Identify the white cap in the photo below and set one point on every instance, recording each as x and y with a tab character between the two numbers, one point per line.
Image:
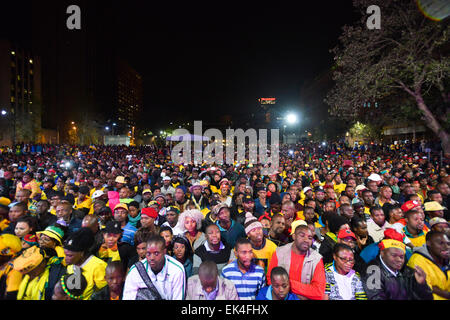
374	177
306	189
166	178
97	193
360	187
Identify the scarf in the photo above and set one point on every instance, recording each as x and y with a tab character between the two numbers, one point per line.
135	220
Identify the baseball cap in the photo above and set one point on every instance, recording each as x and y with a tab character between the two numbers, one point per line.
409	205
437	220
297	223
433	206
360	187
306	189
247	199
146	191
121	205
344	233
120	179
97	194
174	209
374	177
166	178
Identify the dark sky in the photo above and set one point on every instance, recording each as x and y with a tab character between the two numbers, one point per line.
200	61
203	61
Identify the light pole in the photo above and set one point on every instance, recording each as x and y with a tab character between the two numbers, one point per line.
4	113
291	119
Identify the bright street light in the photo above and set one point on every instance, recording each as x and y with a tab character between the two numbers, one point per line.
114	124
107	128
4	112
291	118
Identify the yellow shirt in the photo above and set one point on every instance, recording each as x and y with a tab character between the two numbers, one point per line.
34	289
435	276
93	270
87	203
264	255
339	188
13	278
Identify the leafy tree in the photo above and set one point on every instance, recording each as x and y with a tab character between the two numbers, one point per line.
404	66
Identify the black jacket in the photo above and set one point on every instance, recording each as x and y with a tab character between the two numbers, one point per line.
126	252
326	249
380	284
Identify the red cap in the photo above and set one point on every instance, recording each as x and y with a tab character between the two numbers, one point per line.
390	233
344	233
409	205
150	212
314	181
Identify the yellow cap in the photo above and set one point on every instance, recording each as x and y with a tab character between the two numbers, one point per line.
9	244
297	223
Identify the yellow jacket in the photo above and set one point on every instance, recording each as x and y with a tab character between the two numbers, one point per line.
435	276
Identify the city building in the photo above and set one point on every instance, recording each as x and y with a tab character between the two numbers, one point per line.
128	97
20	94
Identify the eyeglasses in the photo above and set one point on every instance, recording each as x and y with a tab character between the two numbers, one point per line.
346	260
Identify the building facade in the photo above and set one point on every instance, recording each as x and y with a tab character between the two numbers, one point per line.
20	94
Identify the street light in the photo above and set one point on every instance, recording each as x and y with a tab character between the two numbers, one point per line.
4	112
291	118
107	128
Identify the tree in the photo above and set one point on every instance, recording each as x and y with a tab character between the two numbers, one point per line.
409	55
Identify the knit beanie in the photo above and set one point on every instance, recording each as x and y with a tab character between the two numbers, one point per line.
251	222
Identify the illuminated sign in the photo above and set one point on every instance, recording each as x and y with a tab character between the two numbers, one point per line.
267	100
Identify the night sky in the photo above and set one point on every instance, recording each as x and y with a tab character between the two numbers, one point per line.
200	61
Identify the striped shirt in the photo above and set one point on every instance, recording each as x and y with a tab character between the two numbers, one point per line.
247	284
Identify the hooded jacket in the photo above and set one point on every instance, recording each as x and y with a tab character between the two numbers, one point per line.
435	275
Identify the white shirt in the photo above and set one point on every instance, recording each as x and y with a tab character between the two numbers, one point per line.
375	231
170	281
344	283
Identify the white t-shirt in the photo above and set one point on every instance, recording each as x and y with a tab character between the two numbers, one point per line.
344	283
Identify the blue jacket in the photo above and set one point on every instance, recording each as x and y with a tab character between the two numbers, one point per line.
266	294
370	252
235	232
128	233
259	209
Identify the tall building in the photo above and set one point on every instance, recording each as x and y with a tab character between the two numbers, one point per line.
128	95
20	94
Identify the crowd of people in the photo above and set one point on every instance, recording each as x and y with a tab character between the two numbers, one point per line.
126	223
